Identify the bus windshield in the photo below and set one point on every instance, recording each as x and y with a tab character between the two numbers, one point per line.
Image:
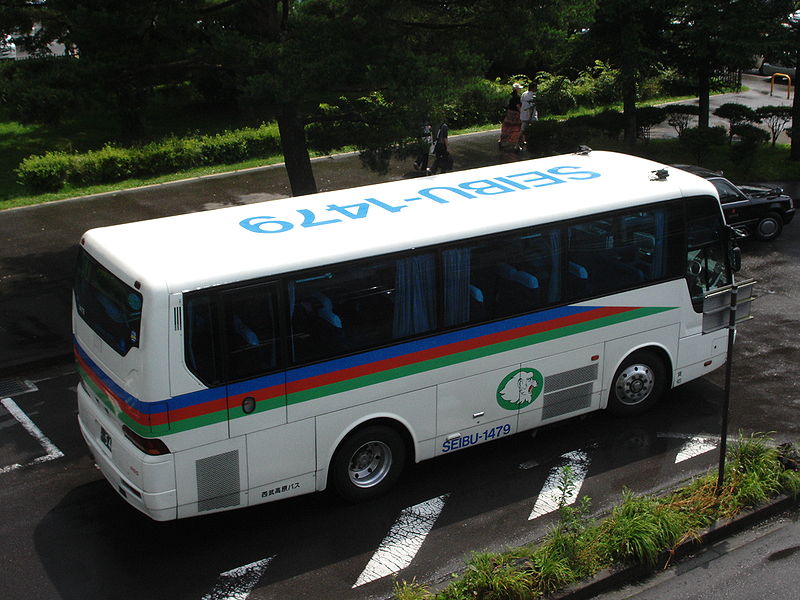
110	307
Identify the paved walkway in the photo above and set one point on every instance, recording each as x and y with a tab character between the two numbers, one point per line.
38	244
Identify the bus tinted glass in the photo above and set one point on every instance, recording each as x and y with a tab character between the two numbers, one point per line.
617	252
373	302
110	307
706	262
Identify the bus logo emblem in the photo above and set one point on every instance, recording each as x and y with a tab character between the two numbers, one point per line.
519	389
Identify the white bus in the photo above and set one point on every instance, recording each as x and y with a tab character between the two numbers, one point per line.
258	352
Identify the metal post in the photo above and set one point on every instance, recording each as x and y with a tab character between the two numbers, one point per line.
723	445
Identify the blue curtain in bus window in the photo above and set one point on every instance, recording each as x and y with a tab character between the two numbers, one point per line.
458	293
659	254
554	286
415	296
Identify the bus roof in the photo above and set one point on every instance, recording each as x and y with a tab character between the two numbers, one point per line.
197	250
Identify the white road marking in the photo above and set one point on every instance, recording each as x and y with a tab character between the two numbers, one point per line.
403	541
695	445
52	452
237	583
550	495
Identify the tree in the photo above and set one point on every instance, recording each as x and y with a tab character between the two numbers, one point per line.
736	114
629	33
776	119
708	35
785	50
281	59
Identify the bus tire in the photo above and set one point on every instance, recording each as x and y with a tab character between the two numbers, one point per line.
638	384
769	227
367	463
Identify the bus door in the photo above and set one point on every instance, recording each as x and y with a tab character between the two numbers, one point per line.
256	389
477	409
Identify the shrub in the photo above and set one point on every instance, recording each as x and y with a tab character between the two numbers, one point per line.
479	101
100	166
49	172
776	119
698	140
596	86
648	117
750	137
45	173
679	115
736	114
554	95
640	529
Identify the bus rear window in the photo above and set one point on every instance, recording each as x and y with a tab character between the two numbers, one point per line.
110	307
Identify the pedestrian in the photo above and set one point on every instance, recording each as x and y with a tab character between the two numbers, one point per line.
528	112
443	162
426	147
510	128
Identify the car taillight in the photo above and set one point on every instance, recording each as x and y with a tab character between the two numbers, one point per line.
151	446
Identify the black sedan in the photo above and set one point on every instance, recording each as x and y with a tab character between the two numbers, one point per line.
760	210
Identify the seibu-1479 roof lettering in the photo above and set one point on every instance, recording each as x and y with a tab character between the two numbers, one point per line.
338	213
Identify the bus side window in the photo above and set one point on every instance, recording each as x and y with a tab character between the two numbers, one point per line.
503	276
706	266
200	347
360	305
251	331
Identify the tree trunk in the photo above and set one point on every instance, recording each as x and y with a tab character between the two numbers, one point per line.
629	109
794	152
703	94
295	152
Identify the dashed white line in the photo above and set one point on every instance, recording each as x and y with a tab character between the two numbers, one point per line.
403	541
51	451
550	496
695	445
237	583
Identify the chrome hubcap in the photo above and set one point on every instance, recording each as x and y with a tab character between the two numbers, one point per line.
634	384
370	464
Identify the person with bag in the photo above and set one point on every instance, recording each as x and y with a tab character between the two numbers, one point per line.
510	128
528	112
443	161
426	146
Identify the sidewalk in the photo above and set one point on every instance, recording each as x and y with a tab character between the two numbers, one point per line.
38	244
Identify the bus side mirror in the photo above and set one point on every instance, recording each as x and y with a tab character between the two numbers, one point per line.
735	258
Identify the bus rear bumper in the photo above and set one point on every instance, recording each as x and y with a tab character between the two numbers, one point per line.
158	505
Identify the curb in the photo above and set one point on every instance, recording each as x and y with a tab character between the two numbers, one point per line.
615	577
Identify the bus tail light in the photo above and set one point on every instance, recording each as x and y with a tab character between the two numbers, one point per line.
151	446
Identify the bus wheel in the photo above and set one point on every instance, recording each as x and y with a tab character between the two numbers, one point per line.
367	463
638	383
769	227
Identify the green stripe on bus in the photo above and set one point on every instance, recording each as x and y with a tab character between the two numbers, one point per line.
476	353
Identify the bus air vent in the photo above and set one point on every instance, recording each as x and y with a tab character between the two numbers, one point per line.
177	315
218	481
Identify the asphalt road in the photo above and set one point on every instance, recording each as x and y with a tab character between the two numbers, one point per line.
64	533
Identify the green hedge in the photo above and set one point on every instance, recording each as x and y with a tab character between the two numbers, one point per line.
49	172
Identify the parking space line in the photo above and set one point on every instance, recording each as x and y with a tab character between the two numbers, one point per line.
237	583
695	445
403	541
51	451
550	496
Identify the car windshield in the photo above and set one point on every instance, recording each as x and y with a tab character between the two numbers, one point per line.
110	307
727	191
